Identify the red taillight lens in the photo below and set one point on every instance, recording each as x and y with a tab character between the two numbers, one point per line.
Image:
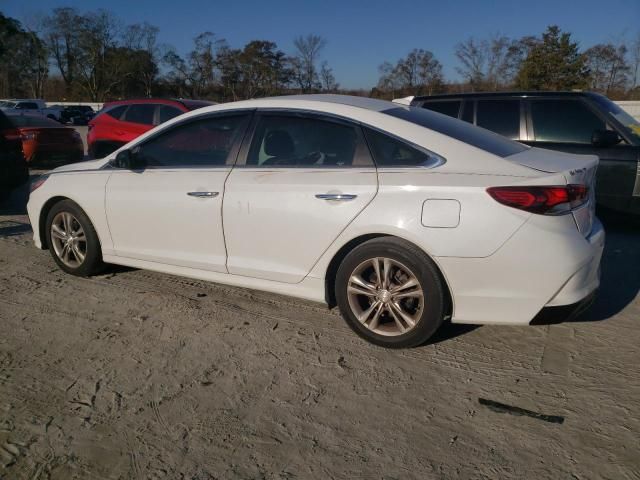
542	200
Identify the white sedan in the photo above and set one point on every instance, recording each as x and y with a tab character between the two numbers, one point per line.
401	217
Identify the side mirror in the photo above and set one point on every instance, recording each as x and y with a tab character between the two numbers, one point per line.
605	138
128	160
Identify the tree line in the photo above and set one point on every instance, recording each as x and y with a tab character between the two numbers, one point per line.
94	56
551	61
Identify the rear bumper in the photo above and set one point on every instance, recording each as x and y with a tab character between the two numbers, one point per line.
587	279
547	263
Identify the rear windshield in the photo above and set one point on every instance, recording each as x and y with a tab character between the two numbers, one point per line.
32	121
459	130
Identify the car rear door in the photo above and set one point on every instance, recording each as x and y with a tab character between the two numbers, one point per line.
300	180
170	212
136	120
567	125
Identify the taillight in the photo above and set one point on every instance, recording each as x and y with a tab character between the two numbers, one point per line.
542	200
28	136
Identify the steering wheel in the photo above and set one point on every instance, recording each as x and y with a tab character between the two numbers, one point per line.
314	158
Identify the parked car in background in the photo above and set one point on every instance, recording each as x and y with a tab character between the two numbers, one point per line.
572	122
13	167
400	216
77	114
120	122
45	140
34	106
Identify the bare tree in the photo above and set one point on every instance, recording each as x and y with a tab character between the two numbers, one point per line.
61	36
142	39
634	52
608	67
307	53
327	79
472	55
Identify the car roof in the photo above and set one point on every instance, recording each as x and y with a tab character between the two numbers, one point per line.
523	93
186	103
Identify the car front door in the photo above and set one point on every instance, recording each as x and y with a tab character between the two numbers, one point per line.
300	180
170	211
567	125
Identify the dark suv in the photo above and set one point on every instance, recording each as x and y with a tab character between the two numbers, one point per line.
575	122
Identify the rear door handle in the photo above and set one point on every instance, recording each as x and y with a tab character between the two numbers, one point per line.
203	194
336	197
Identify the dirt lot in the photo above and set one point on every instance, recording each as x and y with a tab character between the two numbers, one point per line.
140	375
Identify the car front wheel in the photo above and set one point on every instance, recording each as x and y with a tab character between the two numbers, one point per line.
72	240
390	293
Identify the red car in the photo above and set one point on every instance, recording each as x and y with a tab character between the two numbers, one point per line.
120	122
45	140
13	168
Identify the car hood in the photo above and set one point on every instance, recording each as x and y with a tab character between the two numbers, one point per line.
81	166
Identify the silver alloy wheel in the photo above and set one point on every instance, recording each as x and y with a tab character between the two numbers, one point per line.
68	239
385	296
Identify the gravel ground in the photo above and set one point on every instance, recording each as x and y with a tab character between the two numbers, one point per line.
139	375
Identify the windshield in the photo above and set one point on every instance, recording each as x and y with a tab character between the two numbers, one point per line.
630	124
5	104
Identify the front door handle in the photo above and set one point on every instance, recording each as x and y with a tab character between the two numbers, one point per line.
336	197
203	194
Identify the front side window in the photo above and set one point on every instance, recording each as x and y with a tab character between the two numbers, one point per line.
293	141
564	121
499	116
142	114
450	107
390	152
201	143
167	113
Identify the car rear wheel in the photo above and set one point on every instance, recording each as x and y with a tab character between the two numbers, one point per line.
390	293
72	240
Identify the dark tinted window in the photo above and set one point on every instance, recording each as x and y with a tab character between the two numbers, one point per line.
195	104
167	113
116	112
302	142
467	111
32	121
27	106
500	116
140	114
566	121
201	143
390	152
451	108
482	139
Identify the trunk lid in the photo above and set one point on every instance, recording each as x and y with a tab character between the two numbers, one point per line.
576	169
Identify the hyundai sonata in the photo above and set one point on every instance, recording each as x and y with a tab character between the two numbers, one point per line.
401	217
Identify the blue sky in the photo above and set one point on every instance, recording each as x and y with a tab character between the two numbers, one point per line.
362	34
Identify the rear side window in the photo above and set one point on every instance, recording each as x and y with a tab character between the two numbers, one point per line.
462	131
142	114
200	143
500	116
167	113
450	107
390	152
564	121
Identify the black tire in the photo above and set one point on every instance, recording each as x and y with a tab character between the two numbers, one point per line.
92	262
422	268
